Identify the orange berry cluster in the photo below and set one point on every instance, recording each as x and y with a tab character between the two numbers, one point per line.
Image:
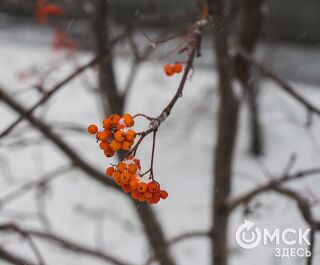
127	175
171	69
116	134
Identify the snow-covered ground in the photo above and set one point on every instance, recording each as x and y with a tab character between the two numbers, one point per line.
77	206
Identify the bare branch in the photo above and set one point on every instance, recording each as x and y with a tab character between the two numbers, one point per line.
64	243
59	143
189	235
272	184
13	258
273	76
34	184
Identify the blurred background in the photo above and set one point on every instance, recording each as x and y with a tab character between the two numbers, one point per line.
56	207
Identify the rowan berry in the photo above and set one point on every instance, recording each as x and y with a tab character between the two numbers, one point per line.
142	187
153	187
115	145
121	166
177	67
132	168
102	136
116	176
134	183
130	136
135	195
126	145
126	188
92	129
155	199
108	152
128	120
109	171
142	198
125	177
114	119
119	136
163	194
104	145
148	195
106	123
168	69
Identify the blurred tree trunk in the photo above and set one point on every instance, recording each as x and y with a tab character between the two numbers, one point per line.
111	99
226	137
250	29
114	102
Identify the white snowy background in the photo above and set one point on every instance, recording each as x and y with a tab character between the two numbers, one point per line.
77	206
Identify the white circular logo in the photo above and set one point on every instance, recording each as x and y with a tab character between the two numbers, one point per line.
248	239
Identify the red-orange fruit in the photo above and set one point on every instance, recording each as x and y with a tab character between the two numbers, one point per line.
109	171
104	145
126	145
92	129
128	119
108	153
125	177
130	136
115	145
120	136
177	67
102	136
163	194
153	187
121	166
132	168
114	119
168	69
142	187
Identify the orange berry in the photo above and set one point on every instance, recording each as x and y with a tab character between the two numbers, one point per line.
125	177
153	187
121	166
108	153
155	199
109	171
126	188
114	119
115	145
142	198
116	176
142	187
163	194
92	129
128	119
168	69
177	67
130	136
104	145
106	123
132	168
108	132
102	136
133	182
126	145
148	195
120	136
137	161
135	195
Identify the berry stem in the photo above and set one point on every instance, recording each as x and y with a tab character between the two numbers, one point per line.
144	116
152	154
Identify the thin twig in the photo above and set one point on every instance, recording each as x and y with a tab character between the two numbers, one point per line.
273	76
